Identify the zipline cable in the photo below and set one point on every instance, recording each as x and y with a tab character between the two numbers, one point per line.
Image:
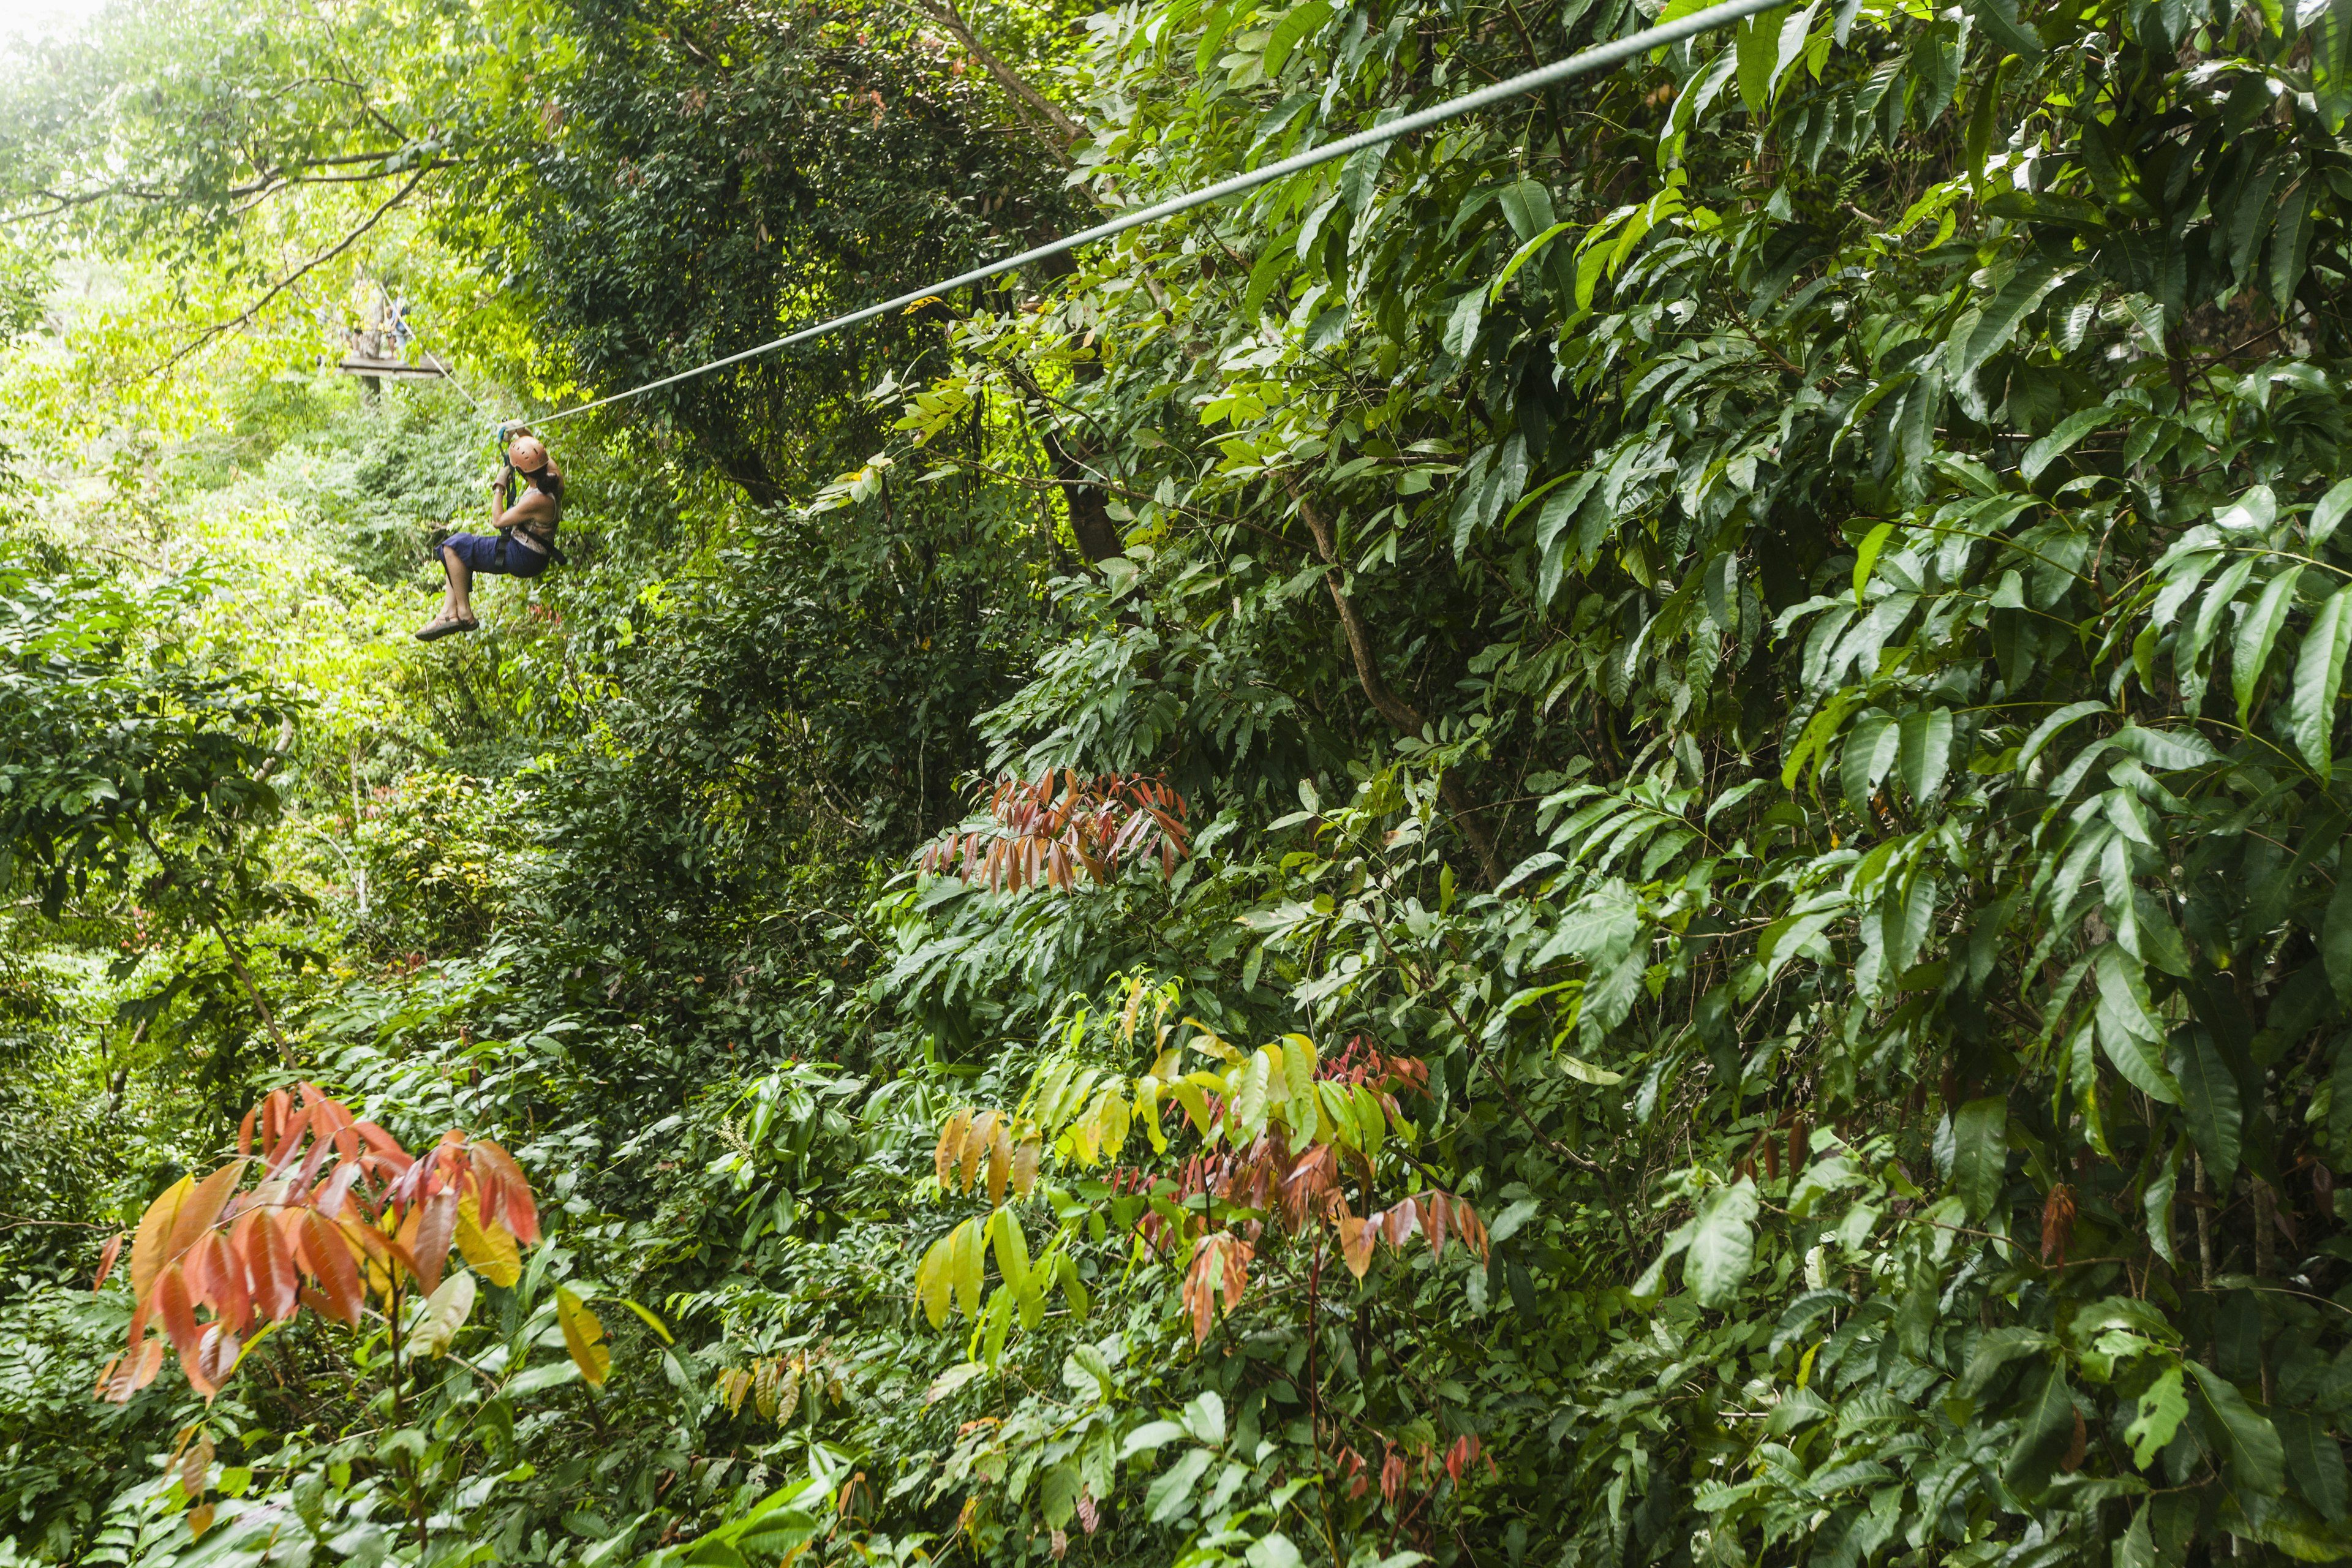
1584	63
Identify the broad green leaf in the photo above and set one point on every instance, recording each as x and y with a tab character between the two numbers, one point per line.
1169	1492
1057	1495
2161	1410
1722	1245
2329	513
2319	681
2314	1459
2257	1459
1204	1417
2045	1429
2129	1031
1927	751
2250	654
1520	258
1758	43
2055	445
2033	280
1149	1436
2209	1101
1980	1154
968	1265
1866	556
1297	24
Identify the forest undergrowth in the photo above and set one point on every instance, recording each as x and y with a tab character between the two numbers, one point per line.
1606	838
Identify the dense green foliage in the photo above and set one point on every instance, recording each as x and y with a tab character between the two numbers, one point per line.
1755	643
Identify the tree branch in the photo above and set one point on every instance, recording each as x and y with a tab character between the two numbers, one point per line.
945	14
1392	707
245	317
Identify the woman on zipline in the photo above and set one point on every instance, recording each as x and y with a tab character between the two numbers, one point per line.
525	536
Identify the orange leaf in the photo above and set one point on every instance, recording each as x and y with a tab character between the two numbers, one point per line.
1356	1245
976	1143
203	1208
326	1257
225	1281
200	1519
106	1262
268	1264
175	1310
196	1466
514	1208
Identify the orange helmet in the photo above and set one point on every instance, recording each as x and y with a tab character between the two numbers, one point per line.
527	454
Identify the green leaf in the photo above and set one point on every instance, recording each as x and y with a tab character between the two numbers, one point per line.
1168	1493
2161	1410
1273	1551
1980	1154
1205	1417
2336	938
1149	1437
2257	1459
2328	514
2208	1099
2050	447
2129	1031
2314	1459
1999	18
1461	324
1758	43
1297	24
1057	1495
1520	258
1998	321
1722	1246
2319	681
2045	1430
2250	655
1866	556
1927	751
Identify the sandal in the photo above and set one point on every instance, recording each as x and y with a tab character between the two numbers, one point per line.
441	626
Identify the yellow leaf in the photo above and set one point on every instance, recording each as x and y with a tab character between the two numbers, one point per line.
1146	1111
1025	1165
583	1336
1195	1103
489	1248
147	1257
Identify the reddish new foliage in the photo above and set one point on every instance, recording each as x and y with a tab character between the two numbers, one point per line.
1052	830
340	1211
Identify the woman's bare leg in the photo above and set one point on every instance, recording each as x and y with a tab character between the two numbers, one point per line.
458	603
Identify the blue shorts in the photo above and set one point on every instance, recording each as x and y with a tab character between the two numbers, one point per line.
479	552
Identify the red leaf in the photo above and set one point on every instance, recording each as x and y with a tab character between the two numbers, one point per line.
327	1259
176	1309
260	1239
436	1227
